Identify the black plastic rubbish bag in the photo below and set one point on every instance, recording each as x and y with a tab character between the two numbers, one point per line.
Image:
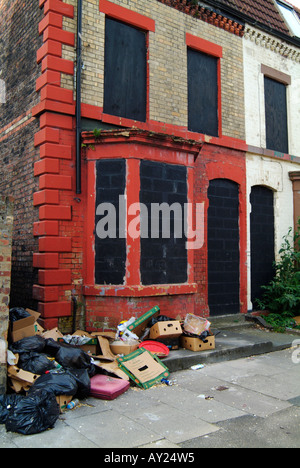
59	382
31	343
83	381
35	363
33	414
74	358
7	403
159	318
18	313
51	347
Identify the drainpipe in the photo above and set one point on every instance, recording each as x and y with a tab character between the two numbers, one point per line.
74	301
78	96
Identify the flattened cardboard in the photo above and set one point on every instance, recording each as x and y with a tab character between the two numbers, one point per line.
111	368
18	386
110	335
20	380
22	375
144	368
54	334
196	344
140	324
105	348
169	329
107	360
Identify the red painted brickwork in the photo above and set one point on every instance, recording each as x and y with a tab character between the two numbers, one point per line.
60	226
215	163
206	14
107	312
53	220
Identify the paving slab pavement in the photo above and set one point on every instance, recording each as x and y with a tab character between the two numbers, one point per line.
241	399
233	341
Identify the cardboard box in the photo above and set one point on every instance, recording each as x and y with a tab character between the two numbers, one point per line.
63	401
25	327
195	344
143	367
169	329
122	347
90	347
139	325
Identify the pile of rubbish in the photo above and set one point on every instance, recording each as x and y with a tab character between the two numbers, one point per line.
49	372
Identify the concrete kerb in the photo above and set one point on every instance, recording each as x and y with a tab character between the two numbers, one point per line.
235	338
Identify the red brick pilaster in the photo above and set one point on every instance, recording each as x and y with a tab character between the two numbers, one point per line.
56	111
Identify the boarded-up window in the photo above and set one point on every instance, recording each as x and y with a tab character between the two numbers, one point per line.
276	116
202	93
163	249
110	242
125	75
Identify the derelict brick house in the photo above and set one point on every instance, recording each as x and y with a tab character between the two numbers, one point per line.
120	103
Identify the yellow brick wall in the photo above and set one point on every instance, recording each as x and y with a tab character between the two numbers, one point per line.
167	62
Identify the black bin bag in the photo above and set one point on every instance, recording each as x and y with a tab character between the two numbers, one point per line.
82	378
33	414
58	382
18	313
75	358
36	363
29	344
7	403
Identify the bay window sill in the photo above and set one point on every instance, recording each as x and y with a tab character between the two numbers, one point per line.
139	290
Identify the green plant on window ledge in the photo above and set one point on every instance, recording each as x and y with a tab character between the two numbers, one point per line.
281	297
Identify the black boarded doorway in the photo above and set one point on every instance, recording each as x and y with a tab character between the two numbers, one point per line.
223	248
262	240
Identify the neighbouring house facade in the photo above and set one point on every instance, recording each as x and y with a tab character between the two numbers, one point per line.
117	108
272	103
